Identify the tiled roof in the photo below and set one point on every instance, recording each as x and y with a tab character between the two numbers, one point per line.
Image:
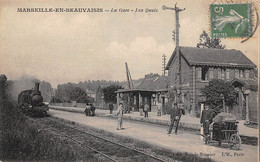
154	83
213	57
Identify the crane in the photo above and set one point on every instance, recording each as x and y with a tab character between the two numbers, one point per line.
129	78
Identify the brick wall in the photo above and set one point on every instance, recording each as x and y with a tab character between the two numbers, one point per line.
187	79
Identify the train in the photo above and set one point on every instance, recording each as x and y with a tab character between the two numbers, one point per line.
31	102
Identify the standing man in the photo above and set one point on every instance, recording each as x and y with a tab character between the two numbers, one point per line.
92	109
141	109
175	115
111	107
119	116
87	110
206	119
146	108
159	113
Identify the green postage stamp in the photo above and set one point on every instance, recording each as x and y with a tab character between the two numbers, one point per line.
231	20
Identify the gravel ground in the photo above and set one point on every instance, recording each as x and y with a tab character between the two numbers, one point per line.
162	153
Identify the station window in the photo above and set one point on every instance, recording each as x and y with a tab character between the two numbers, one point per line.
241	73
219	73
227	74
223	74
236	73
199	73
211	76
247	74
204	73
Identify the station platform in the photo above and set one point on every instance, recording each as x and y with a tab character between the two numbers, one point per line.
184	141
185	122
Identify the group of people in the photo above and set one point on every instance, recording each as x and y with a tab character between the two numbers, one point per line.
176	111
90	110
206	118
144	109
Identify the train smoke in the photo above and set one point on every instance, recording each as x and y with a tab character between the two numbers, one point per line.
24	83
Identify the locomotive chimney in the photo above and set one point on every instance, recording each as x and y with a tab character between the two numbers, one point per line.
36	87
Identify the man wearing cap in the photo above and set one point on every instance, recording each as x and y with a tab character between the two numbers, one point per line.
119	116
175	115
206	119
146	108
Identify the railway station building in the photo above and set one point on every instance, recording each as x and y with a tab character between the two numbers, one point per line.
200	65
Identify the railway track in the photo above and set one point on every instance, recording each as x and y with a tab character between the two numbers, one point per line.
109	149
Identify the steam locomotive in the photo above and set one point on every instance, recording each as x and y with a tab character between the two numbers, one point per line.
31	102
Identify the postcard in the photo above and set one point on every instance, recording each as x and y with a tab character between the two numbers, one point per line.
120	80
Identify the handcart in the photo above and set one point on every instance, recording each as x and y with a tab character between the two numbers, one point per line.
224	129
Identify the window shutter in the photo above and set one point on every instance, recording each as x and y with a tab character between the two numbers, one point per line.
211	74
227	74
241	73
236	73
247	74
219	73
199	73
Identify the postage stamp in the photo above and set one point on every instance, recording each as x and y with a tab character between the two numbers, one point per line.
231	20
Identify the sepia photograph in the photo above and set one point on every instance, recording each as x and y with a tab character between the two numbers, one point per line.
123	81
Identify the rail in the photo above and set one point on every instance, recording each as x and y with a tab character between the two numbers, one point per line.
105	139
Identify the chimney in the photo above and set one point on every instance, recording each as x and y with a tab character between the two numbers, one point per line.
36	87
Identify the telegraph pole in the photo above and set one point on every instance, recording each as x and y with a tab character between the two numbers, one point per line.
176	39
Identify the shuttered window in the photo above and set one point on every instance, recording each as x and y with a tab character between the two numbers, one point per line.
236	73
241	73
227	75
211	76
199	73
247	74
219	73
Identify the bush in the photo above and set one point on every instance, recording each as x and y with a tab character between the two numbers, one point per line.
215	89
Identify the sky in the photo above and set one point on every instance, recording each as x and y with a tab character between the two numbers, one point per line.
73	47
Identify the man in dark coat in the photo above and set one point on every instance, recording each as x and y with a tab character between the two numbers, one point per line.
146	108
111	107
92	109
206	119
87	110
175	115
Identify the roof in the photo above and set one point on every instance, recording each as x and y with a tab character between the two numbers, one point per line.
156	83
133	90
244	81
249	84
213	57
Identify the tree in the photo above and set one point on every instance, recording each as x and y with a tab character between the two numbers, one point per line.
3	80
215	90
70	92
76	93
63	92
206	41
109	93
